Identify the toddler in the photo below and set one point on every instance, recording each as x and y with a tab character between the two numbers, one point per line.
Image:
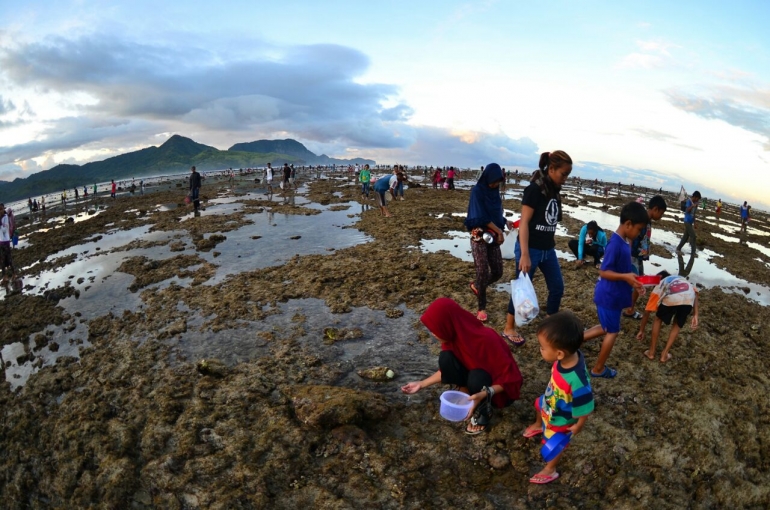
568	399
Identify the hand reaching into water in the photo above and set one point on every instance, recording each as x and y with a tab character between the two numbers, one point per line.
412	387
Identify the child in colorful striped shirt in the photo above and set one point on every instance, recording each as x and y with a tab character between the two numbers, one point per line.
568	399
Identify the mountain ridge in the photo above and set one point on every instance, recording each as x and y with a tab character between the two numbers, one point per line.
174	155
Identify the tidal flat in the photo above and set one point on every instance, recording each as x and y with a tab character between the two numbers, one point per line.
159	359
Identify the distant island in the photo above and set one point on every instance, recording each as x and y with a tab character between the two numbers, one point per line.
176	155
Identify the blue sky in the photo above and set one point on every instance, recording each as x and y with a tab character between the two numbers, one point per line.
678	91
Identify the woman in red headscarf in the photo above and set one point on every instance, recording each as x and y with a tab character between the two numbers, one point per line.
473	357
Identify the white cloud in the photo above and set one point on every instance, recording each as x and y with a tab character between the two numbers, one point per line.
641	61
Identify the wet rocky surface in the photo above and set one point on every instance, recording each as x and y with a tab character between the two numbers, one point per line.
245	390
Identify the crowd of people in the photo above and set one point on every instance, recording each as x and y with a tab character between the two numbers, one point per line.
479	360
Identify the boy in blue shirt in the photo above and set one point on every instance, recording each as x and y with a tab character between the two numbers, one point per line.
616	284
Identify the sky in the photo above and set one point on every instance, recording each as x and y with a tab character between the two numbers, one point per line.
657	92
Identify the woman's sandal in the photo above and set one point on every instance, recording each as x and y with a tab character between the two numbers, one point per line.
482	417
482	316
472	285
516	340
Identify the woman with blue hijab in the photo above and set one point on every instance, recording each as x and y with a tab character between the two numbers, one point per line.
486	222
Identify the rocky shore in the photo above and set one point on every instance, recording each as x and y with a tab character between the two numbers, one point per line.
247	393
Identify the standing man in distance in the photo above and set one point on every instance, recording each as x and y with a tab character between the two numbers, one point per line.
6	233
269	178
286	176
195	188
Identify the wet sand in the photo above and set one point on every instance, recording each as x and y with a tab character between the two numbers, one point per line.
213	362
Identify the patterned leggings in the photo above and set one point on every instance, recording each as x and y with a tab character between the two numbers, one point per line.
489	268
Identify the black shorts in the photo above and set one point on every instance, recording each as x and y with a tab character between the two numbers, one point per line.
381	198
666	313
6	260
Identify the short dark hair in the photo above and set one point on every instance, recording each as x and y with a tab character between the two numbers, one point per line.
635	213
657	202
563	330
592	225
696	194
664	274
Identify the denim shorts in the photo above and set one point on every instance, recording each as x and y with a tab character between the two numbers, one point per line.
609	319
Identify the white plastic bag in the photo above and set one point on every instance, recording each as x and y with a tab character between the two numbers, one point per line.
508	247
524	299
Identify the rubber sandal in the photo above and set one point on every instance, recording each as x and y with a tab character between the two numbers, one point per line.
544	479
636	315
516	340
532	433
482	316
472	285
482	417
607	373
475	423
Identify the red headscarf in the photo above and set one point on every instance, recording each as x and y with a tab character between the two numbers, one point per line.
474	345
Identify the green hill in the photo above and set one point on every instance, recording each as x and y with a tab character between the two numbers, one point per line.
176	155
294	148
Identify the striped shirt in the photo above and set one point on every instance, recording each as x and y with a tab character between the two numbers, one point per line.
568	396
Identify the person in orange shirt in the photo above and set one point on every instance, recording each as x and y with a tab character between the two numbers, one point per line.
673	298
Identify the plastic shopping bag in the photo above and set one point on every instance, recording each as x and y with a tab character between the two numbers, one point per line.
508	246
524	299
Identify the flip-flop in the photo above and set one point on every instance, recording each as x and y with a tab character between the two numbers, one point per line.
532	433
472	285
636	315
473	423
607	373
516	340
544	479
482	316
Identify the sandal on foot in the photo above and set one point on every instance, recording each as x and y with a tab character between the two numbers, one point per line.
482	416
474	423
516	340
472	285
482	316
607	373
532	432
636	315
544	479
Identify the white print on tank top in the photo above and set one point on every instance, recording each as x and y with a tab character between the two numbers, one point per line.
551	217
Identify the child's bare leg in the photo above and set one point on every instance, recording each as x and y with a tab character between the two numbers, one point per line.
654	340
634	298
550	467
537	426
607	344
594	332
665	356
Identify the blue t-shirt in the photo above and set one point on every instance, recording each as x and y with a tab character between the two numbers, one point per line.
615	295
689	217
382	184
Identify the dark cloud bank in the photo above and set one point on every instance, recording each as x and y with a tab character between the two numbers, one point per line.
305	92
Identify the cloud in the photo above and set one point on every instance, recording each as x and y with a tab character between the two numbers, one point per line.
747	109
6	106
656	47
641	61
439	146
10	172
74	132
307	91
653	55
663	137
